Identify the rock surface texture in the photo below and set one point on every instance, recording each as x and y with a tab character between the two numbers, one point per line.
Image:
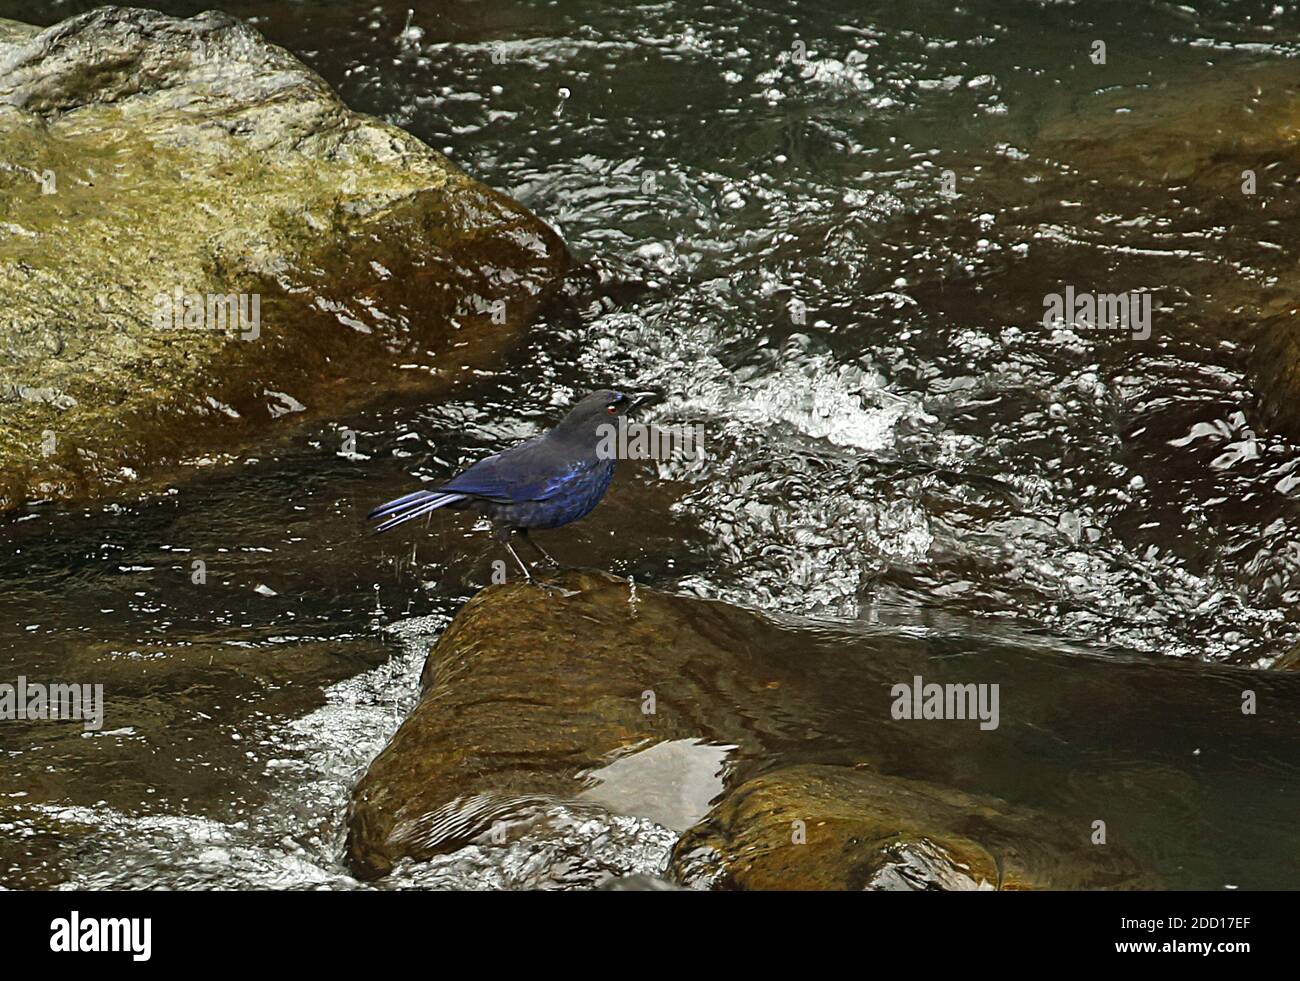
160	176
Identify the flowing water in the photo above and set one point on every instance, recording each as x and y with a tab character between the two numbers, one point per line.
893	440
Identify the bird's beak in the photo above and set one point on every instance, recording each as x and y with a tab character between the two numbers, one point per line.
639	399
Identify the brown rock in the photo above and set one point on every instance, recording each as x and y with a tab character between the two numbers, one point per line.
207	167
834	828
528	690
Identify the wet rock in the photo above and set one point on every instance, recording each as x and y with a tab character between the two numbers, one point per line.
1201	130
199	241
599	698
820	827
530	690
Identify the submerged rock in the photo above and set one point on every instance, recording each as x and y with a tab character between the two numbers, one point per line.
1202	130
1290	661
197	238
820	827
191	731
1214	157
711	722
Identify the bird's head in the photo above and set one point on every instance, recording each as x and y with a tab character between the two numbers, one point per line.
601	407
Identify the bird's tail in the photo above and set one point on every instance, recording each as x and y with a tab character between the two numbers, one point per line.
410	506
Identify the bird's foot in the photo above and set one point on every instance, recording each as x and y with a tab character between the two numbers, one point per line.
555	589
547	557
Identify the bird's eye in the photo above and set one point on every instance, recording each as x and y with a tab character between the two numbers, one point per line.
613	408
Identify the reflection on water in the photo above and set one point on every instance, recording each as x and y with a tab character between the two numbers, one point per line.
896	445
672	783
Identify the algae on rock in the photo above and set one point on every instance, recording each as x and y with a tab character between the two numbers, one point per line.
144	157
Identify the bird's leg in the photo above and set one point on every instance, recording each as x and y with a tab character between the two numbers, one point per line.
527	575
540	551
503	535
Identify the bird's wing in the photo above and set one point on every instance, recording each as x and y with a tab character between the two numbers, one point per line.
531	471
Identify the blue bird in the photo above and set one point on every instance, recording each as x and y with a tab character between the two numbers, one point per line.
544	482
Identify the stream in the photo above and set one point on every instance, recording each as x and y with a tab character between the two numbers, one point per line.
896	449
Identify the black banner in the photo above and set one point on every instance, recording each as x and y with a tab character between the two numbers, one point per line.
143	931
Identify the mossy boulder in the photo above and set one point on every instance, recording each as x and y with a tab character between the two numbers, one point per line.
531	689
822	827
160	176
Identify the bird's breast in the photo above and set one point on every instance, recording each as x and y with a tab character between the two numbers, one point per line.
572	501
